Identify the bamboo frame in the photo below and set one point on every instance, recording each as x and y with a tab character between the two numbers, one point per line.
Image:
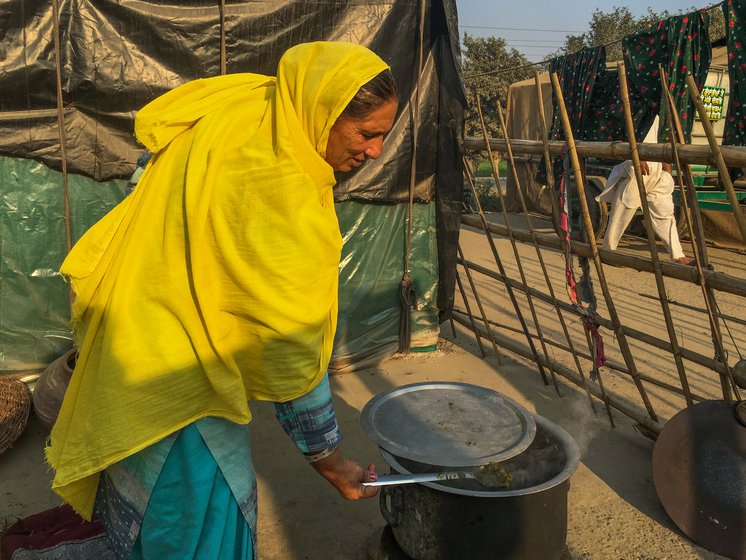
603	321
702	274
734	156
717	155
495	254
579	180
652	245
539	256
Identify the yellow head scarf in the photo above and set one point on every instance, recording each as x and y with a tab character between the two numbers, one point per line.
216	281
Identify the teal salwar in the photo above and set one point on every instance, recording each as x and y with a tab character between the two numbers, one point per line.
202	522
193	494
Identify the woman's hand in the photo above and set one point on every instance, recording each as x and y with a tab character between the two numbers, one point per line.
347	476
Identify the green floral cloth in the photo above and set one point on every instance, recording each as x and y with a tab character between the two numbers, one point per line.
577	75
735	35
681	45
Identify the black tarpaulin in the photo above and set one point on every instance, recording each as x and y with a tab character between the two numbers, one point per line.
114	56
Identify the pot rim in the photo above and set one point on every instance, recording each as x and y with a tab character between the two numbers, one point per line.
571	465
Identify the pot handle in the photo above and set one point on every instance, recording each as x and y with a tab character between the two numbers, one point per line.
392	504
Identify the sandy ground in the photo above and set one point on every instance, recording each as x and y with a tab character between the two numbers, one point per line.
614	512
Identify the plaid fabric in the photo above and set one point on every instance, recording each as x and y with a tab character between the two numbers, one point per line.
310	420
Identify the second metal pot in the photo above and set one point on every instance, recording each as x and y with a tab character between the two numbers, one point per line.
462	519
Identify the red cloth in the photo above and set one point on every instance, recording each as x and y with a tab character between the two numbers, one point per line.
52	529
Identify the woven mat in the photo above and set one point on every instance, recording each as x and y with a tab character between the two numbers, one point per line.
15	403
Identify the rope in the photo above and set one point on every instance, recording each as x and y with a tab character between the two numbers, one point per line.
407	294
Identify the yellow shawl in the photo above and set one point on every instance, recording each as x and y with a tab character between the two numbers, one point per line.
215	282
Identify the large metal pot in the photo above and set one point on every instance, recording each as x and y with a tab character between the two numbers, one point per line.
463	519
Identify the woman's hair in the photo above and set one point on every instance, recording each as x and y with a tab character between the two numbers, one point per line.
371	96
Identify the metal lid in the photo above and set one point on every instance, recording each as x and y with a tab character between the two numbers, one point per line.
448	424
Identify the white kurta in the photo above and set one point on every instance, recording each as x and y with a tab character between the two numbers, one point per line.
622	193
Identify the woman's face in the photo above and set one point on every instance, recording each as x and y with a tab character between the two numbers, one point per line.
352	140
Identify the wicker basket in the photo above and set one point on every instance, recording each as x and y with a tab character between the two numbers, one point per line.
15	403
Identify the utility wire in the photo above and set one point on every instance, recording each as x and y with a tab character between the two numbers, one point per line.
519	29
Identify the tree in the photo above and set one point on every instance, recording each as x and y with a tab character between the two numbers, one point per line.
489	67
608	28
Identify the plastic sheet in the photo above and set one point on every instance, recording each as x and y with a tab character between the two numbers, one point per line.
34	299
370	271
117	56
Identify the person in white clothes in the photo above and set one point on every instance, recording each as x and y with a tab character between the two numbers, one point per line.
622	193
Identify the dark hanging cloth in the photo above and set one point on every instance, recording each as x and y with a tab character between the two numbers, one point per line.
681	44
605	122
576	74
735	35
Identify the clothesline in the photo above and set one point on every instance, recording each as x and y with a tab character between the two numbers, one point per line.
548	60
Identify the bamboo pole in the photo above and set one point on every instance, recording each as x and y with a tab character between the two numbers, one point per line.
699	310
532	309
718	155
471	316
566	246
580	182
717	280
223	57
479	301
734	156
532	232
515	347
700	254
544	135
652	245
609	363
686	193
604	322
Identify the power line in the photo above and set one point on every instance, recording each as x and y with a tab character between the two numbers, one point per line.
535	41
501	70
534	46
519	29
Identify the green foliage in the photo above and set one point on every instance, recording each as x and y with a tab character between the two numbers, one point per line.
484	169
608	28
489	199
717	24
490	54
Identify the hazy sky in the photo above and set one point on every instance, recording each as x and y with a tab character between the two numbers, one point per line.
538	28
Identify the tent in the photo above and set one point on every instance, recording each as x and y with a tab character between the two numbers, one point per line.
74	74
